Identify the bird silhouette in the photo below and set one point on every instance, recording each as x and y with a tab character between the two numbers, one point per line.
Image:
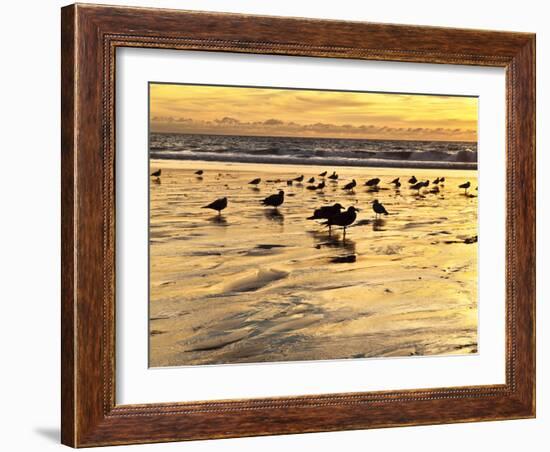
333	176
343	219
274	200
299	178
323	174
378	208
321	185
218	204
436	181
396	182
156	173
199	172
350	185
419	185
372	182
326	212
311	180
255	181
465	186
413	180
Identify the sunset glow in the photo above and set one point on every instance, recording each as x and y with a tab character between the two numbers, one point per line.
307	113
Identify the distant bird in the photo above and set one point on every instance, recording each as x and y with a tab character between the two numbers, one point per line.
372	182
156	173
465	186
323	174
350	185
312	187
441	179
333	176
321	185
299	178
255	181
343	219
289	182
436	181
274	200
378	208
413	180
199	172
435	189
419	185
311	180
396	182
218	204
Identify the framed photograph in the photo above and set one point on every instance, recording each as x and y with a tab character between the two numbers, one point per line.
281	225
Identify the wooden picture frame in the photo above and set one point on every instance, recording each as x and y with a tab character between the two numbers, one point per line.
90	36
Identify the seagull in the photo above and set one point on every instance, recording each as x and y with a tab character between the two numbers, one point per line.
199	172
441	179
372	182
255	181
413	180
419	185
274	200
299	178
378	208
156	173
218	204
326	213
435	182
333	176
465	186
350	185
323	174
321	185
311	180
343	219
396	182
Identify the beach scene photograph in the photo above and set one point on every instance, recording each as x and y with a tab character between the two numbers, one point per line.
303	224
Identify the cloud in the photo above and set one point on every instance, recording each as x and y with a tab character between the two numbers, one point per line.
276	127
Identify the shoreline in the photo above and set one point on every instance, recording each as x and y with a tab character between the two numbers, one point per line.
324	162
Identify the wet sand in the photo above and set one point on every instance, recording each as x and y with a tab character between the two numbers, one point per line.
257	284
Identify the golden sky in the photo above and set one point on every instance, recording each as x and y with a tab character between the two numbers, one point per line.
308	113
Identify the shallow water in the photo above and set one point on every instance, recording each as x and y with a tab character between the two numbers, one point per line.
257	284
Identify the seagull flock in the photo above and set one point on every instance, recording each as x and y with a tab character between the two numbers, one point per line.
336	214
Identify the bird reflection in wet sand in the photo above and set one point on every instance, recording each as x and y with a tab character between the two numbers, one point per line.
378	225
274	215
218	220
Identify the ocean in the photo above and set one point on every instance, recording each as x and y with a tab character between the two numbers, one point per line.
315	151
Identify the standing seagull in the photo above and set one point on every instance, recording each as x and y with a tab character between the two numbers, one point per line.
255	181
199	172
465	186
350	185
274	200
343	219
413	180
419	185
333	176
372	182
156	173
323	174
326	213
218	204
378	208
